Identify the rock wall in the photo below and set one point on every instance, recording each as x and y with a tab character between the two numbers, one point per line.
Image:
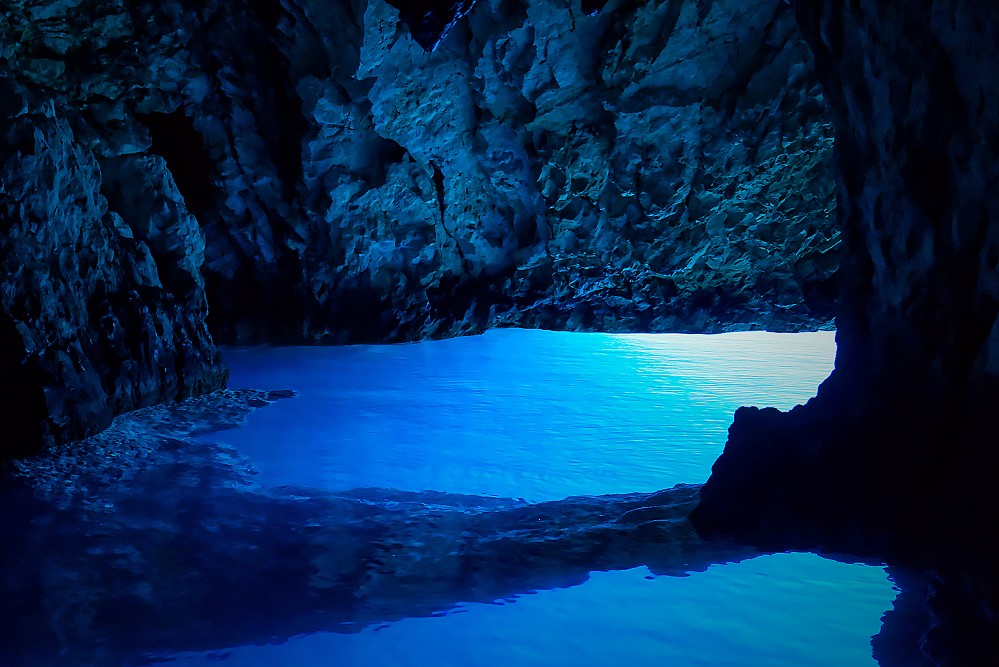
898	455
907	423
102	310
650	166
343	172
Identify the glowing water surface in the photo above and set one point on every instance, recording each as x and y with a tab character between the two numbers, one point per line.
542	415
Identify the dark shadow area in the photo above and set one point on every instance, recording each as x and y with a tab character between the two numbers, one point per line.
177	141
276	105
177	550
591	7
22	395
430	20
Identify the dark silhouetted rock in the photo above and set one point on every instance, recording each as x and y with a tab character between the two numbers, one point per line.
429	20
898	455
908	420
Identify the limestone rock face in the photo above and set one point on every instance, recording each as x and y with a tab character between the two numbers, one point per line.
349	171
102	310
648	166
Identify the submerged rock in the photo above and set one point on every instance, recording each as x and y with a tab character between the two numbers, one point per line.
143	541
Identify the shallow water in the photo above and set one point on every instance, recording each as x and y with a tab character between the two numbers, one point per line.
329	528
537	415
542	415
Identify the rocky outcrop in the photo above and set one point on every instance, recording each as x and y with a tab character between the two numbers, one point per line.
898	454
102	310
370	173
907	421
649	166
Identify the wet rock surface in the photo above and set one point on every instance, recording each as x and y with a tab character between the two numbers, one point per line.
366	173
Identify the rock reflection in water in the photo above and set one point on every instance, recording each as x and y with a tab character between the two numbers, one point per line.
172	547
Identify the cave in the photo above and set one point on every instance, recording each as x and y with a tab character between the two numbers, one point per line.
193	190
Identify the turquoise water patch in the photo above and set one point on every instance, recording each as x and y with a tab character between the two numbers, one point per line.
537	415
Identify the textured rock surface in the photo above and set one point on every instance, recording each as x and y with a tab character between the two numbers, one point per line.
651	166
102	310
659	165
908	419
898	454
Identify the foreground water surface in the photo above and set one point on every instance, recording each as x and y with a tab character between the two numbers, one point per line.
544	415
406	508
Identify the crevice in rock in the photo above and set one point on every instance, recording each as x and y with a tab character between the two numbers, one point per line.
23	410
439	189
176	140
430	20
281	122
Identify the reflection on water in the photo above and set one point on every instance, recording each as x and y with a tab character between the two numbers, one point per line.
178	553
781	611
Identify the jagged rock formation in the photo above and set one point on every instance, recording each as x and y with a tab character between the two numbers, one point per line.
102	310
659	165
907	424
585	171
911	403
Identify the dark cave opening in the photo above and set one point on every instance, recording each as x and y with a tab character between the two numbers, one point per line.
429	21
22	395
591	7
177	141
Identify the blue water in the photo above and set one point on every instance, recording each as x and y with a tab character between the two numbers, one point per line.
794	610
539	416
